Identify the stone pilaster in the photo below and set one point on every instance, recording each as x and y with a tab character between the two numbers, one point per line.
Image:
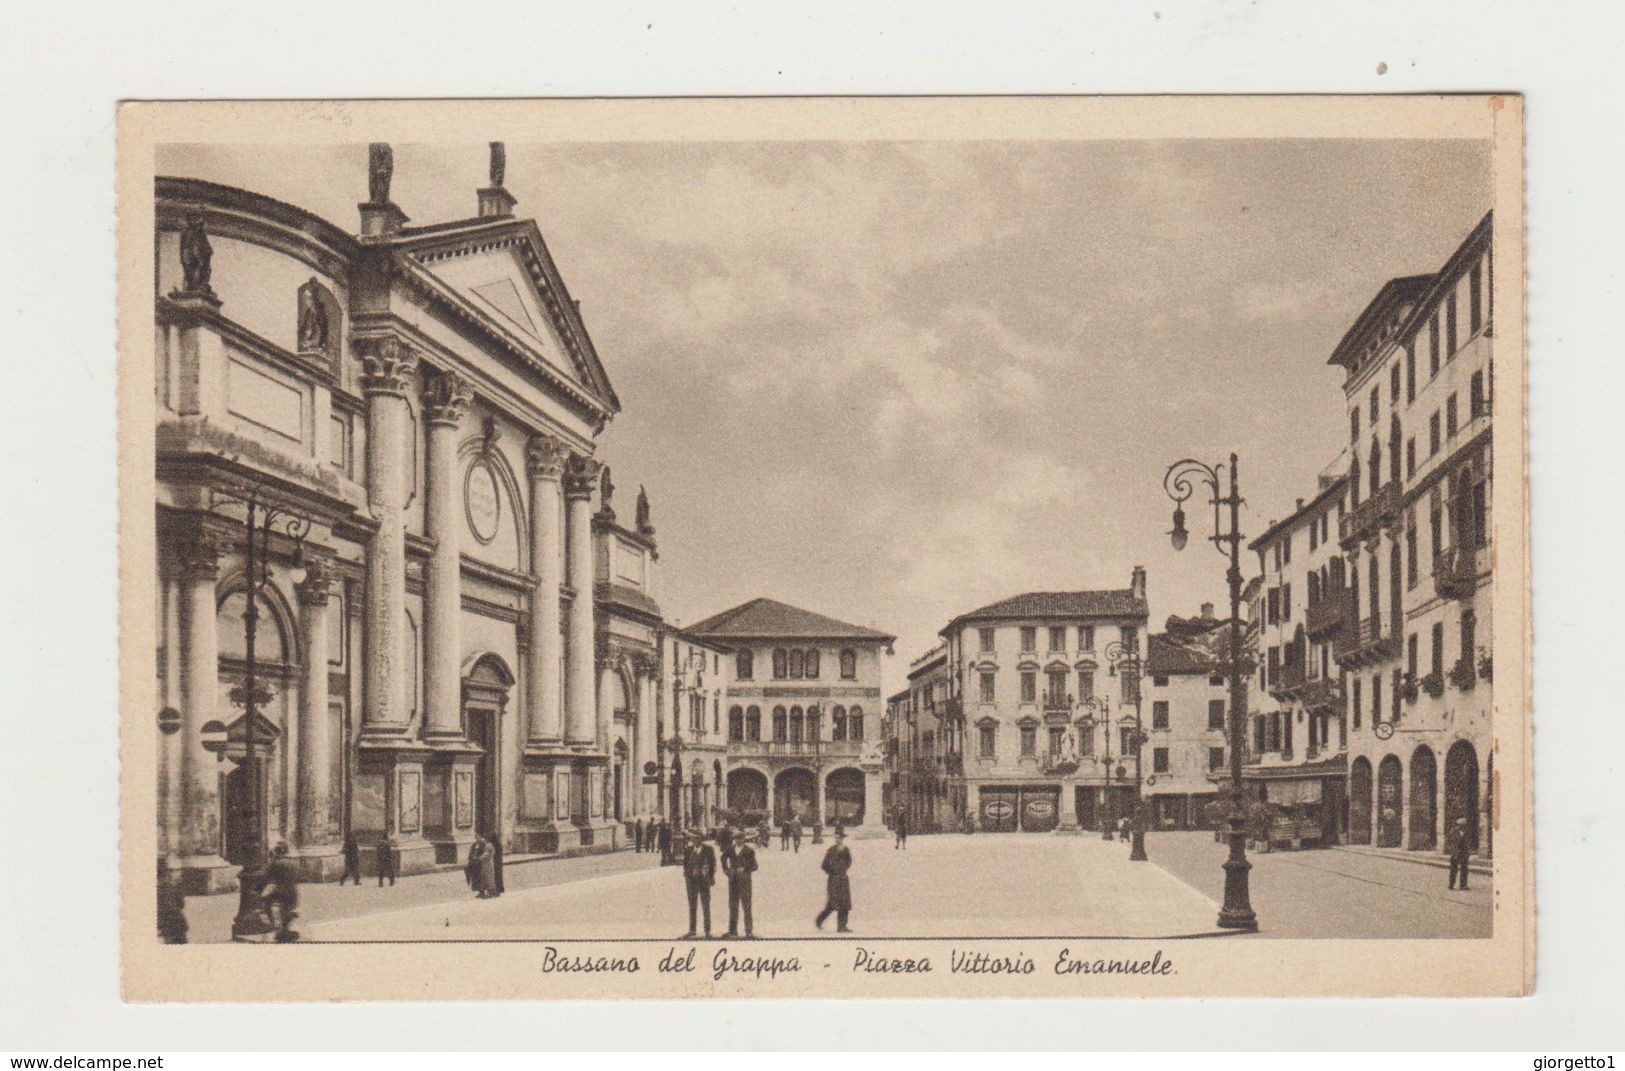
314	772
644	751
580	729
444	403
545	459
389	372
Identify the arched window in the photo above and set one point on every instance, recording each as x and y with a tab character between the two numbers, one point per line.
812	663
781	664
781	725
795	725
838	717
815	728
798	664
736	724
744	668
849	664
753	723
854	724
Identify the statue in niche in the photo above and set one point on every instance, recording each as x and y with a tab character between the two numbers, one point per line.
643	511
606	491
380	168
312	319
196	254
499	163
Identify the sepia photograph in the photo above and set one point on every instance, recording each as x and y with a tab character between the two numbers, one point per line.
780	548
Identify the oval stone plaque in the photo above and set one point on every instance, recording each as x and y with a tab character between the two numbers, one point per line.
483	502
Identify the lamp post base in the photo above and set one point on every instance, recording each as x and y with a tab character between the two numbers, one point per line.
251	920
1137	854
1237	912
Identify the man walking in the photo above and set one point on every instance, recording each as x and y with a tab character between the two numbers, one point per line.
280	890
902	830
795	833
389	862
784	835
739	864
699	874
1461	847
664	838
352	860
837	862
172	907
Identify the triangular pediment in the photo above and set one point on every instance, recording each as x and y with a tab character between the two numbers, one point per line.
505	275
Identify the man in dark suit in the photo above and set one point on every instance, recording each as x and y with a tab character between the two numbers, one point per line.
837	862
279	887
389	861
663	841
1461	848
699	874
740	864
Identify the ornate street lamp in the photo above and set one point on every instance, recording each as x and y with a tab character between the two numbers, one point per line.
260	522
1125	662
1179	483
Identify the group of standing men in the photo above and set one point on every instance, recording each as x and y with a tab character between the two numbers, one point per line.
739	866
653	836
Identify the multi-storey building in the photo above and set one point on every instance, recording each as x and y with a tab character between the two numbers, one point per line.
803	708
1298	737
1046	728
1414	642
1185	717
924	748
693	743
420	408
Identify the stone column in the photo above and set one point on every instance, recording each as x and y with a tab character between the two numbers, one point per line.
388	372
545	457
444	402
315	753
580	703
645	742
605	728
197	836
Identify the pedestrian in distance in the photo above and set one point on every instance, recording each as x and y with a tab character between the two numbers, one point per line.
389	861
902	830
637	835
171	907
1122	828
784	835
494	845
279	889
837	864
352	860
740	865
699	874
795	834
1461	847
664	839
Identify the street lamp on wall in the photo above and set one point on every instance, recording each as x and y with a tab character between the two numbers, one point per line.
1180	482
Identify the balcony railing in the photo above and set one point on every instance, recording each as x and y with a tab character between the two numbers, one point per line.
1367	643
1322	693
1054	701
1330	614
1369	516
798	748
1455	572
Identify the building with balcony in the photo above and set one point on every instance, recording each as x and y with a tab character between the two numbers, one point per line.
1186	697
1297	758
803	708
924	750
1415	536
691	749
444	641
1046	728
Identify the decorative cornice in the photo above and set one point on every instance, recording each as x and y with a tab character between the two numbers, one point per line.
446	398
317	586
581	473
388	365
545	457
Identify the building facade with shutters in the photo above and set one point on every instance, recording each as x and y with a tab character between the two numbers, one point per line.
1046	727
1187	703
803	710
1414	641
445	641
925	783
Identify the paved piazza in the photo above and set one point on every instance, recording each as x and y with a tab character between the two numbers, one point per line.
1021	885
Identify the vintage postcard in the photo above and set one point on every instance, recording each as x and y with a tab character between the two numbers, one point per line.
783	548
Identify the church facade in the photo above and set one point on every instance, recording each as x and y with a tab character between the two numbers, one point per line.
388	608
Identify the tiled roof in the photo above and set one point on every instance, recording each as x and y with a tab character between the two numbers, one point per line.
1165	658
769	619
1120	603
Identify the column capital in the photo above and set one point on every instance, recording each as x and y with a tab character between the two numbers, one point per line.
388	365
580	475
546	456
199	549
446	398
644	665
317	586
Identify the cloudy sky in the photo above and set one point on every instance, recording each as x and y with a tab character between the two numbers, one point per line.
892	381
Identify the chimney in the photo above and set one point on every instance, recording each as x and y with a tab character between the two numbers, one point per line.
380	217
495	201
1136	583
1207	611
